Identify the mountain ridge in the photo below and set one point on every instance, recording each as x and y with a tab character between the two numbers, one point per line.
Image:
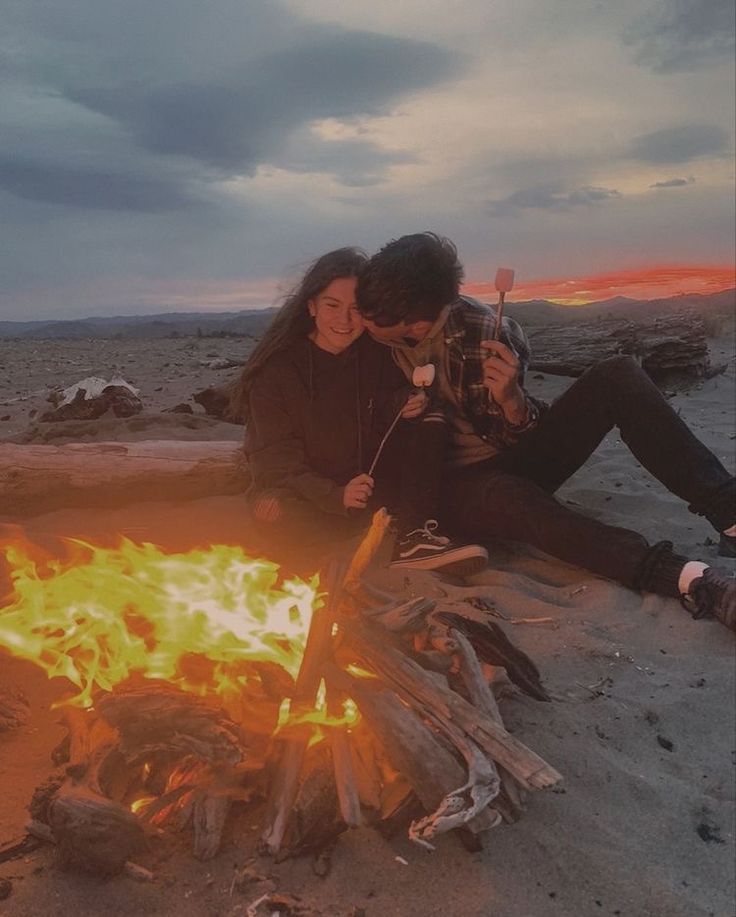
253	322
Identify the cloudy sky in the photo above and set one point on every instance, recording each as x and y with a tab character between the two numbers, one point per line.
181	154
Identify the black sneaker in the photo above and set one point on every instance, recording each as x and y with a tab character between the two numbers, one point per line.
713	595
423	549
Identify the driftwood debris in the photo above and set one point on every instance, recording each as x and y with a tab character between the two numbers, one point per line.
222	401
668	348
120	400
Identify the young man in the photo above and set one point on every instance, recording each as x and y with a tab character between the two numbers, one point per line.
510	452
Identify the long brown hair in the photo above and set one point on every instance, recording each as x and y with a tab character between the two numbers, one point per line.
293	320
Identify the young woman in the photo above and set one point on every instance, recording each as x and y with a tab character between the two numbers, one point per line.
318	397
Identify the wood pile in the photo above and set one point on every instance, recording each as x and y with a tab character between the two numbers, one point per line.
429	749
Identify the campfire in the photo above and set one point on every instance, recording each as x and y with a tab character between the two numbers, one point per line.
204	682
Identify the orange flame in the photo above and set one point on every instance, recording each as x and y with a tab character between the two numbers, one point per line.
103	615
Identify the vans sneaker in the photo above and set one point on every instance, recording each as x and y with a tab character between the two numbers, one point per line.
713	595
424	549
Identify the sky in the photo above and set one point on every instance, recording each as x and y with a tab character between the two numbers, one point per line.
160	155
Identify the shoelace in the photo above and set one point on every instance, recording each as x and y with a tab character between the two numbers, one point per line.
430	526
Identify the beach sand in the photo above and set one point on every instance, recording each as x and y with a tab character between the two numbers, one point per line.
641	725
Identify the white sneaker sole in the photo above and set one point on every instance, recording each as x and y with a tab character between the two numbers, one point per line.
461	561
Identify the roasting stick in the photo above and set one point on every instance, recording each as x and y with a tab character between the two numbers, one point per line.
504	284
422	377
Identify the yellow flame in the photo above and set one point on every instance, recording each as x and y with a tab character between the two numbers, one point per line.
101	615
141	804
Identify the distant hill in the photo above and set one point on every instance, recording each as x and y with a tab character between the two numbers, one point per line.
248	323
542	312
252	323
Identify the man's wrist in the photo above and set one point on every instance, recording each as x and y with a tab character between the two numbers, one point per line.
516	410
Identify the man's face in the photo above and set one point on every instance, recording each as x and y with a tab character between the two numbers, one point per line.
404	333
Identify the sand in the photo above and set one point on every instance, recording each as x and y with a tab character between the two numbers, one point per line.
641	725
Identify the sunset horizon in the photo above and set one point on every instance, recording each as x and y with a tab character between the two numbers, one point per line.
657	282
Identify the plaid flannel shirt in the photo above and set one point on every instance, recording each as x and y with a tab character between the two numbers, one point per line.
468	323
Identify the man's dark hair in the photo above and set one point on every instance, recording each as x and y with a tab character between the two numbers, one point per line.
411	279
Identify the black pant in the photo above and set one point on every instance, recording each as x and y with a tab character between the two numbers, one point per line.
298	535
510	495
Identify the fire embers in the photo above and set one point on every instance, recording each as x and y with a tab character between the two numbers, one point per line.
143	758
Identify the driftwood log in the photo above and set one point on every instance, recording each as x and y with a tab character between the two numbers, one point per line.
669	348
36	479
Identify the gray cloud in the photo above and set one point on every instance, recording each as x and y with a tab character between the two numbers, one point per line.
236	124
674	35
210	93
88	188
680	144
673	183
353	162
545	197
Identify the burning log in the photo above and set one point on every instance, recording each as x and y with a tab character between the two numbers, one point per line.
429	694
315	819
135	742
14	708
317	654
93	833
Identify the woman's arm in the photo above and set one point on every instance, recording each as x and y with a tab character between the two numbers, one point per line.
276	452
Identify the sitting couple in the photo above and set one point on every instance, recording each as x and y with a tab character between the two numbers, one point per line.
477	457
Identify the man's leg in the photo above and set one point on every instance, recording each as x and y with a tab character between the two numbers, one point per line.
484	502
618	393
415	462
420	459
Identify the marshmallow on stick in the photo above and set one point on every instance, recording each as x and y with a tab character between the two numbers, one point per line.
504	284
421	377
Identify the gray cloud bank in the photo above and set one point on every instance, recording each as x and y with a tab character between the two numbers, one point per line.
675	35
681	144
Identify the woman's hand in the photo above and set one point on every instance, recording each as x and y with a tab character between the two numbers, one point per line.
501	378
415	404
357	492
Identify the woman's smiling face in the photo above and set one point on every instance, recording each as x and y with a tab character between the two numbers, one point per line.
337	322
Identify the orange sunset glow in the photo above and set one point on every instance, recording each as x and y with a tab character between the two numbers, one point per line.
657	282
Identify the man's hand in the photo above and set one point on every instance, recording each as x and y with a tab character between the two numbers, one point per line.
415	405
501	378
357	492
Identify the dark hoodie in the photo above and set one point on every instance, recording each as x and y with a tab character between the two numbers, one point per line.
316	418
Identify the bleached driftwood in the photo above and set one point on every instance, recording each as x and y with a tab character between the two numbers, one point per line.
669	348
35	479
